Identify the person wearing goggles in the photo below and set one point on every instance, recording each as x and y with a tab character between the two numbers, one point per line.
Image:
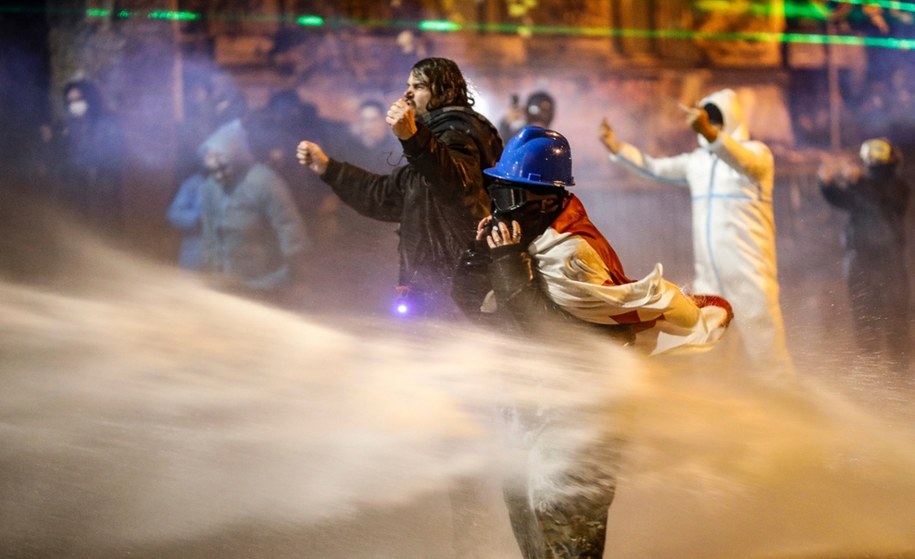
539	266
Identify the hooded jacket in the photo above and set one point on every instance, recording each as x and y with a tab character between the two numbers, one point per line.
731	182
89	155
437	198
252	231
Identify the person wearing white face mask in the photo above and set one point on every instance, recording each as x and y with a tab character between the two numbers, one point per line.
78	107
730	178
88	156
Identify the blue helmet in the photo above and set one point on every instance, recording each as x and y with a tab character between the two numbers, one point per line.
535	156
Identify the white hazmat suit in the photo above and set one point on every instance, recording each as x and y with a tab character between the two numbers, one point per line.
731	181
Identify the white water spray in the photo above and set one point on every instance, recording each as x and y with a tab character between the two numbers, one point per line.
141	411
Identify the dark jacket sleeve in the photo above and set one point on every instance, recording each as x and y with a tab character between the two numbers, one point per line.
521	299
471	282
899	193
507	272
836	195
517	289
376	196
450	162
185	211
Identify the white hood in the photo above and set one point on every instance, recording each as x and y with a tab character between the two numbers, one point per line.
734	124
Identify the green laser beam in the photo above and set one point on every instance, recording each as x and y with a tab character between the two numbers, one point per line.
752	36
440	26
310	21
790	10
447	27
793	10
173	15
888	4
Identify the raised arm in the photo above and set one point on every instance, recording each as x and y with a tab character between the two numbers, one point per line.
372	195
670	170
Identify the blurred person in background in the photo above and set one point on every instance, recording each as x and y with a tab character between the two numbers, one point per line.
206	108
273	132
538	110
876	200
370	144
185	215
254	239
334	227
731	179
209	102
197	123
87	158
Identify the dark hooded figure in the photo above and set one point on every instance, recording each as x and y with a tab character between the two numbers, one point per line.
878	286
88	159
539	110
273	133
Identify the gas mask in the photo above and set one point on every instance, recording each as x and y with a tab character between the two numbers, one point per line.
532	210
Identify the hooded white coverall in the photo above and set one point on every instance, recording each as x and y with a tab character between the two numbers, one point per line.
731	181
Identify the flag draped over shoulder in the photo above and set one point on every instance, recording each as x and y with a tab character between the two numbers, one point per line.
583	275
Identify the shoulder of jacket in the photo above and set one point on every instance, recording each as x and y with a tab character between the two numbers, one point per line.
451	114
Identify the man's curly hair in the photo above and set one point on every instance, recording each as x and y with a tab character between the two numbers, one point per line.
446	82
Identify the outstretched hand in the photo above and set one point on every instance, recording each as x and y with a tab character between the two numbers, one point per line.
608	136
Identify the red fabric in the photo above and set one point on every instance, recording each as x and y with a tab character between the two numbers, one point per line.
574	219
714	301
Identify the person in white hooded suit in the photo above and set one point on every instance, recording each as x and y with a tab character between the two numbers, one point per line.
730	178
